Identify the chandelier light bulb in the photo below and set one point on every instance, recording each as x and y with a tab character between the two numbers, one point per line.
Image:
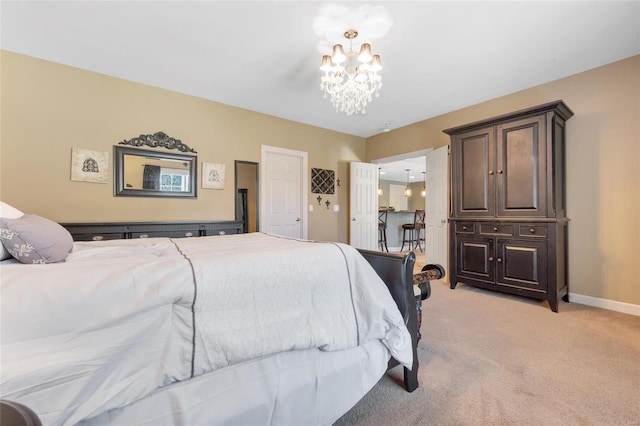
326	64
365	53
338	56
376	64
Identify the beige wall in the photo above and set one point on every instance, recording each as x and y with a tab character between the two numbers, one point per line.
603	169
48	109
415	201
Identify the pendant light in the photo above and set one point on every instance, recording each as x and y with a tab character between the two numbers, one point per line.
407	190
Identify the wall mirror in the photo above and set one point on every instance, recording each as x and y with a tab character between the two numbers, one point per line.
144	173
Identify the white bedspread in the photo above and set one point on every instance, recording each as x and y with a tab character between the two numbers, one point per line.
121	318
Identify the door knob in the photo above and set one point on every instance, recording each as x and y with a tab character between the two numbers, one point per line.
499	260
353	219
297	219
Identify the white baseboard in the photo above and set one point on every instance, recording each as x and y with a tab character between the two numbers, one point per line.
612	305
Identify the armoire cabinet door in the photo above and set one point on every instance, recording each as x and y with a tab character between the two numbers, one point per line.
473	166
521	263
475	258
520	168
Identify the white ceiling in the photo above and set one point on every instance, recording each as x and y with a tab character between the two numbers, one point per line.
397	170
264	56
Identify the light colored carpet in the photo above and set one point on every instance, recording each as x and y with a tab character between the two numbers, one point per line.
493	359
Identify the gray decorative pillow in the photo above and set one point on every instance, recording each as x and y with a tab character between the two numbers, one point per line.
34	239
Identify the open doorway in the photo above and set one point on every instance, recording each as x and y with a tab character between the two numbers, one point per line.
246	190
401	189
434	185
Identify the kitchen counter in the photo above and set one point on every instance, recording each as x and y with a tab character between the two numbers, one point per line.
395	220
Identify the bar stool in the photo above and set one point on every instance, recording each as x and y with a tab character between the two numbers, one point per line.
413	230
382	229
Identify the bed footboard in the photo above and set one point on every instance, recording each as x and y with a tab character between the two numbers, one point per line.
396	270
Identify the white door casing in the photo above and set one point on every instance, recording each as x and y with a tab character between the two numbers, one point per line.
437	206
283	196
363	206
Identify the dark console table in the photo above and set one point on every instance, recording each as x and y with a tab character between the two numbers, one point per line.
128	230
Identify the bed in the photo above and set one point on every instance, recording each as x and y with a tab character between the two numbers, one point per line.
231	329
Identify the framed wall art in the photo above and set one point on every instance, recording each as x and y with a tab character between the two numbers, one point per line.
213	175
89	166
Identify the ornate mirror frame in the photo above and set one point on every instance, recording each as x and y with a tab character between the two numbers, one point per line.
160	160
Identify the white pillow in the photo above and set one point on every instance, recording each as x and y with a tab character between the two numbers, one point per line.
7	212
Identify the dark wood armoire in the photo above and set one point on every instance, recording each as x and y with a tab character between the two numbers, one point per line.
508	224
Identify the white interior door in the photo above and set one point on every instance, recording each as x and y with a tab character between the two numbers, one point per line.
363	206
437	185
282	182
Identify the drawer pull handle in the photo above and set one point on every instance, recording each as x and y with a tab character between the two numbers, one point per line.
144	236
495	229
499	260
464	227
97	238
490	172
221	233
532	230
490	258
188	234
499	172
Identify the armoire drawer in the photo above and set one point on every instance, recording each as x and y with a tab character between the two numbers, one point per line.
465	227
532	230
503	229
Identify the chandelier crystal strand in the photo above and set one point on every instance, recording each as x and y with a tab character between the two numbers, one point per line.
350	78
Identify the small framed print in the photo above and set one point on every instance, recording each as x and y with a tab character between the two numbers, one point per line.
89	166
213	175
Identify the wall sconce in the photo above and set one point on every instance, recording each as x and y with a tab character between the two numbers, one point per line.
338	182
319	199
327	203
424	185
407	190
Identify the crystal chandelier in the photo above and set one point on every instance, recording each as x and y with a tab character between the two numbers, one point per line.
350	78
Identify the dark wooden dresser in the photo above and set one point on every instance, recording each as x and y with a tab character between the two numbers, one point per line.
508	224
127	230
